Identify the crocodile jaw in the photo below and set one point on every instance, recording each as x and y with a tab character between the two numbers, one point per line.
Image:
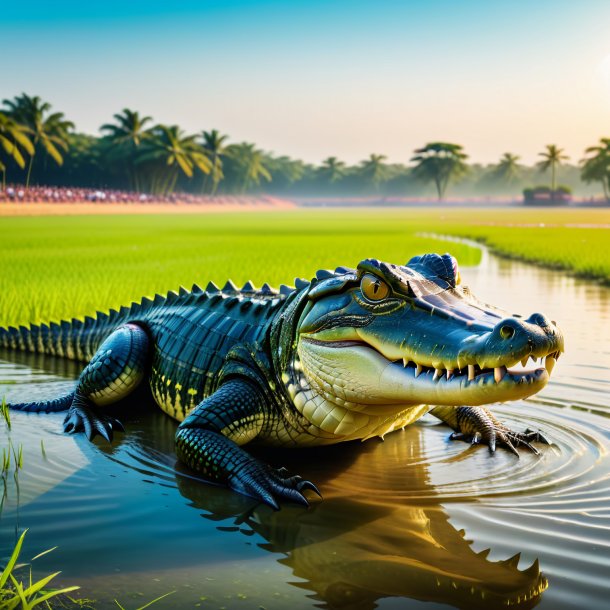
359	373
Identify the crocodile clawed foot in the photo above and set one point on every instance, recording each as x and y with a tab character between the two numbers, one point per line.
478	426
271	485
82	418
502	436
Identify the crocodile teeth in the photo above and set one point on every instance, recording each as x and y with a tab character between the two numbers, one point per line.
449	374
438	373
418	370
470	372
405	362
499	373
524	361
549	363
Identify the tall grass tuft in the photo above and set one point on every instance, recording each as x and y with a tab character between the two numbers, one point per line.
14	594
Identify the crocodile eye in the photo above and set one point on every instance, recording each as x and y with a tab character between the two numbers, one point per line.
373	288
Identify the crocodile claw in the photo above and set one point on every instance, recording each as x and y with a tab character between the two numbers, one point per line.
82	418
479	426
271	485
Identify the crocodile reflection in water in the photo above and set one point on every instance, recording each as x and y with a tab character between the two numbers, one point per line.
357	546
353	549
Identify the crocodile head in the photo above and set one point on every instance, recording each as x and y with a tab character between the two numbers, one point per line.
383	336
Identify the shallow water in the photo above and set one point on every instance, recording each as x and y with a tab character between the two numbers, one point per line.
403	522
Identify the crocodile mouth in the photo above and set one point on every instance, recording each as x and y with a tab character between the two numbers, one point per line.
469	384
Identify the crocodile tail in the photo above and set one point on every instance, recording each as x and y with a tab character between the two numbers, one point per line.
54	405
74	339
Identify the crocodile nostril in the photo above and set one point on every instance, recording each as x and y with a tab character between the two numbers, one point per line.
507	332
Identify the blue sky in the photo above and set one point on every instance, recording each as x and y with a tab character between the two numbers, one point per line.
313	79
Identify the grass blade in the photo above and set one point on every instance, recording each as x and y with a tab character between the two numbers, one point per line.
12	561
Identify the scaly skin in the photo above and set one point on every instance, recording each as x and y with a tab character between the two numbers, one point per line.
354	353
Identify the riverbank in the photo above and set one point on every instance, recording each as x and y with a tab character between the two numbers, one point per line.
573	241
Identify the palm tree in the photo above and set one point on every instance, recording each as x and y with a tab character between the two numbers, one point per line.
596	168
13	138
48	130
213	144
507	169
332	170
440	162
251	164
126	137
552	158
374	170
170	152
285	171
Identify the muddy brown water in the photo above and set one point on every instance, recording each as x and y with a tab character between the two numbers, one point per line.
414	521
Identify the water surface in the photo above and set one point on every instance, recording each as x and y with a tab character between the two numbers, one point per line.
416	518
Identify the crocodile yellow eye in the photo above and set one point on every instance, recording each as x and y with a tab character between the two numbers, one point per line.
373	288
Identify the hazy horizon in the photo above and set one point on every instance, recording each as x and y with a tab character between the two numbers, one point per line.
316	79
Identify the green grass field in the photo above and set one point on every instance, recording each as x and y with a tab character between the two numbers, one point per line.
60	267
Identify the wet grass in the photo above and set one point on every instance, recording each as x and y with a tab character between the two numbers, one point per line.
15	593
60	267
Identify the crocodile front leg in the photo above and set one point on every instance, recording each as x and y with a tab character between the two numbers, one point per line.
208	442
478	425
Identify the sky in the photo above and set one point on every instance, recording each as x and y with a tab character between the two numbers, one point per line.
325	77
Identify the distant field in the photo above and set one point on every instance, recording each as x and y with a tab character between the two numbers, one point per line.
59	267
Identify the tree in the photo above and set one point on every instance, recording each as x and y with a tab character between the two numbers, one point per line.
13	138
440	162
125	137
332	170
507	169
250	164
167	153
213	144
285	171
552	158
374	170
596	168
48	130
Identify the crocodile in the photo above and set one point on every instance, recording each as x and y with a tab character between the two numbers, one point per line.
350	354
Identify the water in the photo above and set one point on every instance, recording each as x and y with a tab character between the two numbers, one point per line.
403	522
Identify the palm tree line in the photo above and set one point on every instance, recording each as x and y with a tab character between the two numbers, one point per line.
38	146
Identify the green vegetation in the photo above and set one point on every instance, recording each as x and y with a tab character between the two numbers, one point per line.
5	412
596	166
148	604
60	267
508	169
14	594
582	251
440	163
13	138
48	132
134	153
552	157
